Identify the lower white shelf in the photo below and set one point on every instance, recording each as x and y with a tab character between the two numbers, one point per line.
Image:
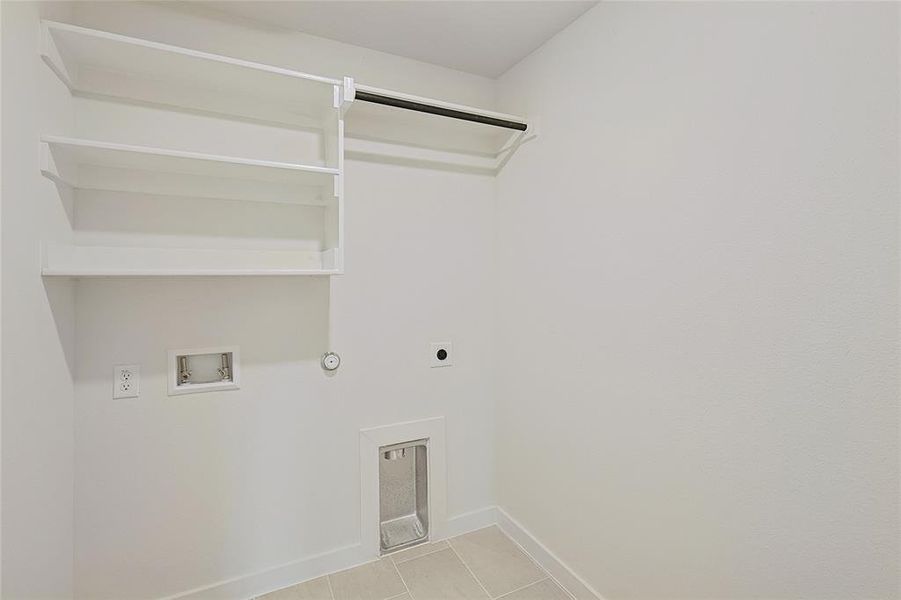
62	260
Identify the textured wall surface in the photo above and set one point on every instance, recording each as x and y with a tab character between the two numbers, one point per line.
38	325
708	228
181	492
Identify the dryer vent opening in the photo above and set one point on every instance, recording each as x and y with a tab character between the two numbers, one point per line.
403	495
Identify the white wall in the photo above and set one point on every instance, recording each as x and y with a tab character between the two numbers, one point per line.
225	34
175	493
37	321
178	493
708	229
708	224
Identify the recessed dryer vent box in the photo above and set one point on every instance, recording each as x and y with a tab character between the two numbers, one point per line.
403	495
203	370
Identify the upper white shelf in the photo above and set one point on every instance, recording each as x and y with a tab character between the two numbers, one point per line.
90	61
396	134
89	164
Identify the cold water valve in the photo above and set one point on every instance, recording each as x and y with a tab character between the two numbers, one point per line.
331	361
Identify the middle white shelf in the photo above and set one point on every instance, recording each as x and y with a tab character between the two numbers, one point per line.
91	164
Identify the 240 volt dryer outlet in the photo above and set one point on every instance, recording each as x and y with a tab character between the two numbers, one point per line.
442	354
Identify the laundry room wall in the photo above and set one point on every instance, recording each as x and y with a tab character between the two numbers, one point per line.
698	300
37	318
178	493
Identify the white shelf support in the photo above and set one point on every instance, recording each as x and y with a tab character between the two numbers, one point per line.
51	55
51	170
349	94
513	144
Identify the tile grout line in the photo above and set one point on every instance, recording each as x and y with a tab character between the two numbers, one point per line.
328	580
397	562
402	580
460	558
538	564
519	589
540	568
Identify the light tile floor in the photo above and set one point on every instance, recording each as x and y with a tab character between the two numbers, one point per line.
476	566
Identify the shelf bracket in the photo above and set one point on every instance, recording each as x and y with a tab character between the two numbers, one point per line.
513	143
50	54
57	172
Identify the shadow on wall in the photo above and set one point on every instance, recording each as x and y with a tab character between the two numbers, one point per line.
274	320
202	470
59	292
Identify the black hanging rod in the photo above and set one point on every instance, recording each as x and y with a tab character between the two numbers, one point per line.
438	110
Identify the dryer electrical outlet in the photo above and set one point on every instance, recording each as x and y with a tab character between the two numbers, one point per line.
442	354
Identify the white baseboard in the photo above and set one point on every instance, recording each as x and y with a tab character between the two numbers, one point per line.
565	576
268	580
474	519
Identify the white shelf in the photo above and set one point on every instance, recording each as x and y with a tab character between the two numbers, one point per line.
102	65
97	62
379	132
90	164
99	261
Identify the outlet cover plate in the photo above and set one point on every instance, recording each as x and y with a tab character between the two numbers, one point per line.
436	354
126	381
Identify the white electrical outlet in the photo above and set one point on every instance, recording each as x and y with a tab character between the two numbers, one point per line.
126	381
442	354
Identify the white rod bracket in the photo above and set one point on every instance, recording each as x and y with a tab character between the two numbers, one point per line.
348	95
514	142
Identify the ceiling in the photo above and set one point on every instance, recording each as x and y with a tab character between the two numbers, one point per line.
481	37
